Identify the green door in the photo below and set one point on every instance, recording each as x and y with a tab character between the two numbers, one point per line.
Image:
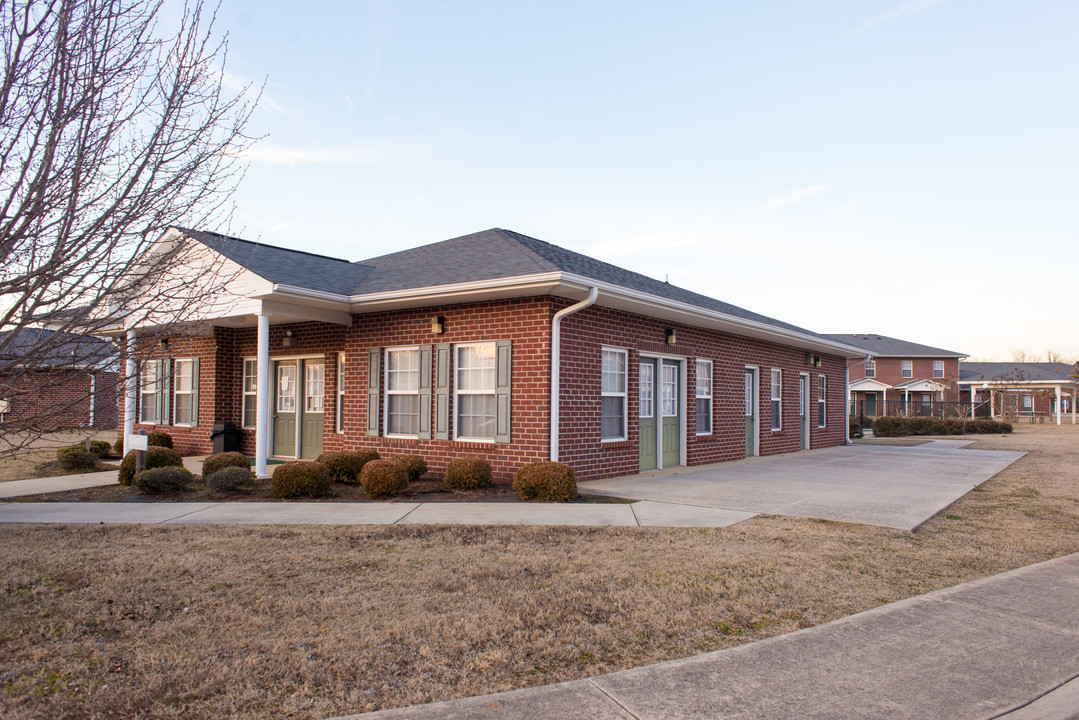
647	415
284	415
751	413
670	413
803	405
314	374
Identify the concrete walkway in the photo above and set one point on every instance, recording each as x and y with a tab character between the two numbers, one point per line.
1006	647
892	486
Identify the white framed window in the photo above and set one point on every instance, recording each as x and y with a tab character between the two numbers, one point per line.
646	392
182	391
402	391
613	394
704	397
314	387
749	394
907	369
870	368
822	395
777	399
474	387
251	368
1028	403
668	391
150	386
938	368
286	388
339	424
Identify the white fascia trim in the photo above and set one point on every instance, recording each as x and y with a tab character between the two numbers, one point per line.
298	292
1017	383
519	281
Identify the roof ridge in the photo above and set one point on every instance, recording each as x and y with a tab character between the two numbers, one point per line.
516	237
256	243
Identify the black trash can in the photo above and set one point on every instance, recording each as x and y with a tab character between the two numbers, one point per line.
225	437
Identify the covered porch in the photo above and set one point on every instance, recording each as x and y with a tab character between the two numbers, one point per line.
868	398
1010	398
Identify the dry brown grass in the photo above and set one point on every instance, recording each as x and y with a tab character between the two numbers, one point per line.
23	464
251	622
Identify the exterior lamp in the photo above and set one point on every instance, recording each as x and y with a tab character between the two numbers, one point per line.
438	324
288	340
672	338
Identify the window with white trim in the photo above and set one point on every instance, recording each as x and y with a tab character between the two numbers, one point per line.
938	368
340	419
474	389
613	394
749	394
646	391
314	387
251	368
822	394
183	384
149	390
870	368
777	399
907	369
403	391
704	397
668	390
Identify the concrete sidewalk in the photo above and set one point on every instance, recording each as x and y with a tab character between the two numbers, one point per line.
1006	646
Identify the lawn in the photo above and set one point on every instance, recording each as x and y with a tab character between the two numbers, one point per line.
310	622
23	463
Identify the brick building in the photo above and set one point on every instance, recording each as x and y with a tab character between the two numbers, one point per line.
1021	390
446	350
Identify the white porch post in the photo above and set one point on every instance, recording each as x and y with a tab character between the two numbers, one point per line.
262	397
992	405
1059	410
1075	393
972	401
130	385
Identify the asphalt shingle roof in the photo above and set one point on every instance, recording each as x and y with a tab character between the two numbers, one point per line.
42	348
885	346
1016	372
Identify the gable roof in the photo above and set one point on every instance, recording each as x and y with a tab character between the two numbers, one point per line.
884	346
39	348
970	372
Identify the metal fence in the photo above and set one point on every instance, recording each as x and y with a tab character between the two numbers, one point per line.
915	408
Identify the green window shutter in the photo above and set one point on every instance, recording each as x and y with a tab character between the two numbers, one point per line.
373	384
164	368
425	392
442	392
503	374
195	392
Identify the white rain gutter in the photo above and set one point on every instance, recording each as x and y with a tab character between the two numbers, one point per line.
556	361
846	392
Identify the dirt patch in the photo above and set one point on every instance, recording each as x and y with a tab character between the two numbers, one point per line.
310	622
24	463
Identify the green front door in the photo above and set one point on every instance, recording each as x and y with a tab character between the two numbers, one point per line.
647	415
284	415
670	412
314	375
751	412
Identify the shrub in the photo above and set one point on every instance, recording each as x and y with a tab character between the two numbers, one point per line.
414	465
302	478
229	479
223	460
467	473
855	428
159	438
546	482
982	427
346	466
75	457
900	426
889	427
118	446
384	477
163	480
100	448
156	457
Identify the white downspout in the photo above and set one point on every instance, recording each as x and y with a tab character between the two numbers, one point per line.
130	386
846	392
556	362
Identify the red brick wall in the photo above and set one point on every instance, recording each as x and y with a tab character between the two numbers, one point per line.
59	400
890	372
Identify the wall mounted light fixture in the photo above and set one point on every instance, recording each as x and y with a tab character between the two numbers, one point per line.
672	337
288	340
438	324
164	344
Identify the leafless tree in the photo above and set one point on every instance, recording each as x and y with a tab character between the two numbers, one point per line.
112	129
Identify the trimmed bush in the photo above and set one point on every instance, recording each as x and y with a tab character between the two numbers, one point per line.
118	446
156	457
223	460
159	438
467	473
414	465
545	482
346	465
381	478
902	427
855	428
75	457
100	448
302	478
889	427
163	480
982	427
230	479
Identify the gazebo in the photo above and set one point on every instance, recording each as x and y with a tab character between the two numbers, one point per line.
1036	380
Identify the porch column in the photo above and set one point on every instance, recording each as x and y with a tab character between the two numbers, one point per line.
884	402
130	385
1075	392
262	397
973	395
992	404
1059	398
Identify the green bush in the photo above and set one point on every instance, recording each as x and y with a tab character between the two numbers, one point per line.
118	446
302	478
467	473
889	427
546	482
100	448
223	460
75	457
982	427
382	478
156	457
855	428
230	479
414	465
159	438
346	465
163	480
901	427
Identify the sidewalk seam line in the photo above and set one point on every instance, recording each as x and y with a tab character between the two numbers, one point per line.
398	520
612	699
634	513
177	517
1034	700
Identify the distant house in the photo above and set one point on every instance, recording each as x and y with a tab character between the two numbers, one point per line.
1020	390
492	345
904	378
54	380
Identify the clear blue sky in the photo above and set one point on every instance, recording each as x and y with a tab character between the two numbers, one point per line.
905	168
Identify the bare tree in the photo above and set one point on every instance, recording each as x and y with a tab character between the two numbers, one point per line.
111	130
1022	356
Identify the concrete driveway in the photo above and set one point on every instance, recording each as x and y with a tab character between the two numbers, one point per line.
891	486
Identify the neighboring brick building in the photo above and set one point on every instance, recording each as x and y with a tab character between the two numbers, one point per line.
54	380
1014	390
446	350
903	378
